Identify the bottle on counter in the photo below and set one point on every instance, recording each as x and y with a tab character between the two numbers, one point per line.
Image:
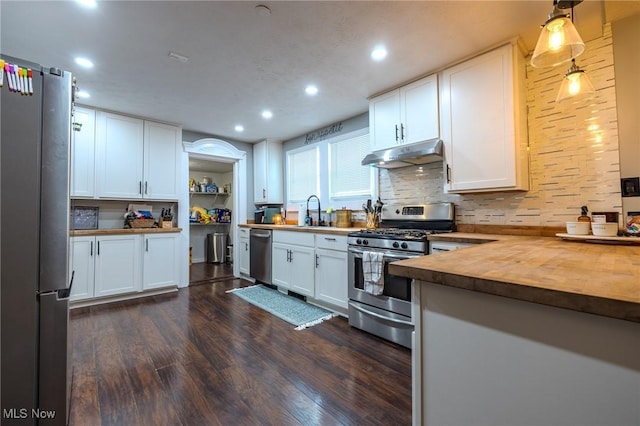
584	217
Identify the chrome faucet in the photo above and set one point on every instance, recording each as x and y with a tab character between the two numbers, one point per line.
320	221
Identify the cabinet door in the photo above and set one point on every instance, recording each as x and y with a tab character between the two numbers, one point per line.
478	125
82	152
117	265
81	262
160	261
280	265
301	278
419	111
119	156
245	256
161	161
331	277
260	172
267	173
384	121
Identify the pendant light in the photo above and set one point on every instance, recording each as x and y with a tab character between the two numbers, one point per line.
576	85
559	40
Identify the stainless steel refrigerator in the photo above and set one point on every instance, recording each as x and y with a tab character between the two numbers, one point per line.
34	215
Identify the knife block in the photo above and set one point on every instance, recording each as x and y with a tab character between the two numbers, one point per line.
165	223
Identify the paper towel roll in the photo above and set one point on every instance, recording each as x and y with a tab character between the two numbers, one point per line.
302	212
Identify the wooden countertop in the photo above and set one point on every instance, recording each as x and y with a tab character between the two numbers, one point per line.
313	229
120	231
593	278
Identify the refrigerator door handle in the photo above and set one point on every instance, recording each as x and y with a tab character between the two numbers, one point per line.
54	181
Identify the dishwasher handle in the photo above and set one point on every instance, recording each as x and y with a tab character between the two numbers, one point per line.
260	234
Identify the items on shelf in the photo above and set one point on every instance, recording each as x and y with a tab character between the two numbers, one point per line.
214	215
205	186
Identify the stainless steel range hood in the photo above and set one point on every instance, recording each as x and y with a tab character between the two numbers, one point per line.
403	156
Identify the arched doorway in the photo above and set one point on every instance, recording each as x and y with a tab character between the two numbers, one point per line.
220	151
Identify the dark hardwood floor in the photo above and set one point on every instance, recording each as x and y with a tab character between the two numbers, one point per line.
205	273
206	357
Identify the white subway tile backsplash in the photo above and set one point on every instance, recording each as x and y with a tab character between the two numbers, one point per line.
573	149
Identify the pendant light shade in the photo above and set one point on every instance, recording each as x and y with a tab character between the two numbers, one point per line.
559	41
576	85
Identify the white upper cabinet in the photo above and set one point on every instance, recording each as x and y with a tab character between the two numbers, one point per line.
268	173
82	152
136	158
406	115
119	156
483	127
161	161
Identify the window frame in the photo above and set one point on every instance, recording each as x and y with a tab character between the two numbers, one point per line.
324	176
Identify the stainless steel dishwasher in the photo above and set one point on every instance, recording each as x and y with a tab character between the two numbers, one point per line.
260	265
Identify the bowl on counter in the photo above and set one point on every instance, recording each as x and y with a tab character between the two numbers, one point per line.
578	228
606	229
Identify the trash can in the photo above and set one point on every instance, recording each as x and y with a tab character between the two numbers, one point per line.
216	247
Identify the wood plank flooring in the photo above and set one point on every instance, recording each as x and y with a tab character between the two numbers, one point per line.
205	273
206	357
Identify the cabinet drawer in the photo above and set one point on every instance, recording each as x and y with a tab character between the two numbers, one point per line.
292	237
331	242
243	232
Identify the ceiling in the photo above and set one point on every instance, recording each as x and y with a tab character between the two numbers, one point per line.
242	62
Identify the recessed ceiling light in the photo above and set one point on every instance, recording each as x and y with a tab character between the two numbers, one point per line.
311	90
266	114
239	128
89	4
379	53
83	94
84	62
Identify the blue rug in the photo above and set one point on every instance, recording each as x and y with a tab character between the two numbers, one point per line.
292	310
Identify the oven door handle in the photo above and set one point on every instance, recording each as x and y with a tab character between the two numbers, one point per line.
387	255
373	314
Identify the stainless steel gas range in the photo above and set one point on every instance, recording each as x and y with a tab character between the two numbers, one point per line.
402	235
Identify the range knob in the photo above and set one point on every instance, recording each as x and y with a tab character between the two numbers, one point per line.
358	241
365	242
404	245
396	244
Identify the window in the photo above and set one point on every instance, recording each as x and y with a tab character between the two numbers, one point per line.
347	177
331	170
302	173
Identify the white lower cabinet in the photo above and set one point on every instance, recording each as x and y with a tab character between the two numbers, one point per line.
293	257
81	262
244	251
159	266
331	277
117	268
113	265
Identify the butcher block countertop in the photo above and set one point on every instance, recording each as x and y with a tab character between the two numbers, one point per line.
120	231
601	279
